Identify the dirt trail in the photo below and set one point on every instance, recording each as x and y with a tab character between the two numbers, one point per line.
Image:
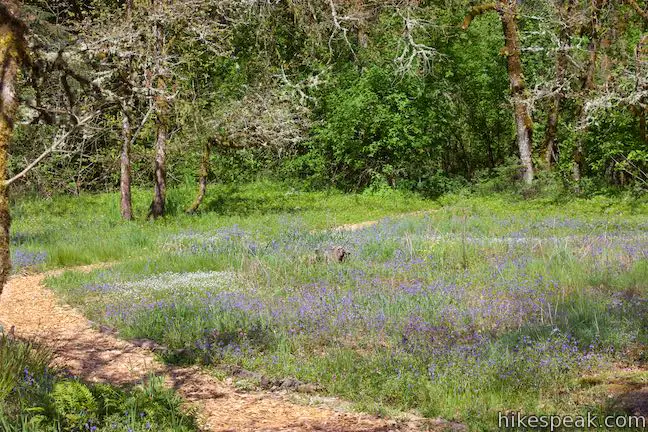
367	224
99	357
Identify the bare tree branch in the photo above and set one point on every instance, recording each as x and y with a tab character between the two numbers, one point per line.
58	142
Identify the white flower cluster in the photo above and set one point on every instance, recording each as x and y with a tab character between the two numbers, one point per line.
171	281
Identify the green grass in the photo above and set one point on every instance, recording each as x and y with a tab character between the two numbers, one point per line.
482	305
87	229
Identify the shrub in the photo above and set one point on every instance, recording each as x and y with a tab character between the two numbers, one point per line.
74	404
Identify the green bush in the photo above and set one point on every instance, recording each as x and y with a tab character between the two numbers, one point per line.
34	400
373	132
74	404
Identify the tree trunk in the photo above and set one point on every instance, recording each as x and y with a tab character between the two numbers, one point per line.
162	121
507	10
491	157
643	128
159	197
12	47
642	85
588	84
125	179
551	132
524	124
203	177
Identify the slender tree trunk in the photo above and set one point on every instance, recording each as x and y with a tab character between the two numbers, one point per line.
159	197
162	122
588	84
203	178
491	157
125	179
551	132
642	85
524	124
508	12
11	52
643	128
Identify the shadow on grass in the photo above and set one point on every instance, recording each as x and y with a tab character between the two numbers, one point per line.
232	200
633	402
241	206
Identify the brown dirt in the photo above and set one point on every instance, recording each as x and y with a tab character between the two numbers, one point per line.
96	356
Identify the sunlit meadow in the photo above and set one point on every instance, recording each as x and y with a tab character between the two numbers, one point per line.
457	312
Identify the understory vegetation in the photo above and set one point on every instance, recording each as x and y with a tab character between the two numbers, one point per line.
461	308
35	398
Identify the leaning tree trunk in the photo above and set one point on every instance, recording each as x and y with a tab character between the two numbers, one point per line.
507	10
125	178
203	177
12	47
523	122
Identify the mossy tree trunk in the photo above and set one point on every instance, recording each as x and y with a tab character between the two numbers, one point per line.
161	122
513	52
508	12
12	46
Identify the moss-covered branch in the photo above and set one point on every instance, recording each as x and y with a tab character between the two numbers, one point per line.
476	11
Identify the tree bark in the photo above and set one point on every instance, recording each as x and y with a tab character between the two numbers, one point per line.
12	46
159	197
524	124
551	131
507	10
125	178
203	178
162	121
642	85
588	84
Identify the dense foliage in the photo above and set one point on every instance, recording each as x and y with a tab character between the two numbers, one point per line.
361	94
